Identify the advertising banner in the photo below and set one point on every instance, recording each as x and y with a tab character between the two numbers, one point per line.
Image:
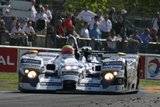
8	59
152	67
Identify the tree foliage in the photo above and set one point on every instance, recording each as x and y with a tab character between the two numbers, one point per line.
94	5
141	7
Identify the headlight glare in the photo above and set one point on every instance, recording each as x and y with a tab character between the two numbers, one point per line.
32	74
26	71
75	67
115	73
68	67
109	76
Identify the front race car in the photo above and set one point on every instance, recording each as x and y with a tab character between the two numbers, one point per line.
54	71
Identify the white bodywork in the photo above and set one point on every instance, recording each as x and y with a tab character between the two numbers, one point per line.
83	73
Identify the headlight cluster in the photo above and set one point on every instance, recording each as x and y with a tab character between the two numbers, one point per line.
68	67
30	73
110	75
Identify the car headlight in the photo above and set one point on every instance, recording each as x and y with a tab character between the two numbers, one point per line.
68	68
32	74
26	71
109	76
115	73
74	67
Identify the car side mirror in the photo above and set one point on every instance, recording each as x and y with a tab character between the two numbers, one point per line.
51	67
98	68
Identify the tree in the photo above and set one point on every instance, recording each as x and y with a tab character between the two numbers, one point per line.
140	7
94	5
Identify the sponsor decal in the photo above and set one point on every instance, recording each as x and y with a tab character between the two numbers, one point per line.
50	84
153	68
89	84
31	61
113	64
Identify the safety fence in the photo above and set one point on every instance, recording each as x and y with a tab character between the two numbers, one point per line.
149	64
131	46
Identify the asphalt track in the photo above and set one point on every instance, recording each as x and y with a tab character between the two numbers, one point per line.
16	99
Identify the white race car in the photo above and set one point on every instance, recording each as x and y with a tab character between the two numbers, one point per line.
53	71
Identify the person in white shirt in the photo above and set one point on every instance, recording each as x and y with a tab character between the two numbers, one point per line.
28	29
48	12
16	30
112	42
18	36
41	15
86	15
41	20
84	31
30	32
105	26
33	12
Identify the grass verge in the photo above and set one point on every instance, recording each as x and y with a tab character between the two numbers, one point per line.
149	83
8	81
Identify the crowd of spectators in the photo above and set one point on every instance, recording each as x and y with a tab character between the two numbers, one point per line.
111	27
95	26
22	30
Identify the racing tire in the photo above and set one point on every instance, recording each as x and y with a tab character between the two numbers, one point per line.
23	90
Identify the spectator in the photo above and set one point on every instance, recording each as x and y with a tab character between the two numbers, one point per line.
41	19
18	37
17	29
119	26
106	27
95	33
153	33
4	35
30	32
48	12
84	31
59	29
113	17
14	21
112	42
135	36
94	20
72	40
33	13
68	24
145	36
156	24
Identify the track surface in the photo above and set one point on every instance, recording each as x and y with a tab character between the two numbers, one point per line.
16	99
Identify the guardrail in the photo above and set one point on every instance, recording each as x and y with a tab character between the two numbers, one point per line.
149	64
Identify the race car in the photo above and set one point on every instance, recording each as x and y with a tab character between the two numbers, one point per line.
54	71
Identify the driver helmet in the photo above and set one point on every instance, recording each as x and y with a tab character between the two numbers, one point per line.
67	49
87	51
